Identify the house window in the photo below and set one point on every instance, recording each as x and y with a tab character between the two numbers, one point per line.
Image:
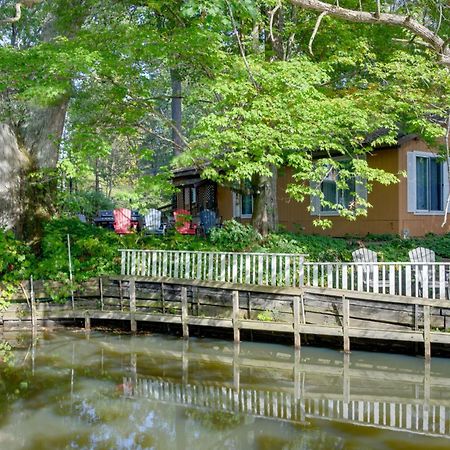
242	205
427	183
429	186
335	196
193	195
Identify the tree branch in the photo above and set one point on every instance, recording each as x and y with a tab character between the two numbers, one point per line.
316	29
241	47
18	16
272	15
436	42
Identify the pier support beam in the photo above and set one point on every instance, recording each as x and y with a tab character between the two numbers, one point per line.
87	321
346	323
100	287
296	324
184	312
426	332
236	331
132	292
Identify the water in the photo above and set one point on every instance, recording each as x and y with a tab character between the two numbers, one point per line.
110	391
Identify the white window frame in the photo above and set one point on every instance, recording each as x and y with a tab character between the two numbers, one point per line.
412	183
237	207
316	206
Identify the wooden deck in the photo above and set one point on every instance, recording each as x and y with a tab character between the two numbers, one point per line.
295	311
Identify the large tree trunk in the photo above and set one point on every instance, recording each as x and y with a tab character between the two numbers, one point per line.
28	157
265	204
29	152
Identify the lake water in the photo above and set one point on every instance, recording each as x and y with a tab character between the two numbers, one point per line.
68	389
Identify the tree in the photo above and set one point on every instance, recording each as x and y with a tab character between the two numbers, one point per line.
285	112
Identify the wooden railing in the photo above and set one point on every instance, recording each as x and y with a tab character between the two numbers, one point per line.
267	269
427	280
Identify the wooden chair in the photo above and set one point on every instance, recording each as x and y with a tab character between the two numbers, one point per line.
152	222
208	220
122	221
421	255
422	271
183	223
362	256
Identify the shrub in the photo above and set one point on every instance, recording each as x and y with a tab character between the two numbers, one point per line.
234	236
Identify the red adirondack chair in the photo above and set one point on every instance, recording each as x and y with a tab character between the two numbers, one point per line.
182	222
122	221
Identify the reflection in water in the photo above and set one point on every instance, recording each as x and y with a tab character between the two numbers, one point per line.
68	390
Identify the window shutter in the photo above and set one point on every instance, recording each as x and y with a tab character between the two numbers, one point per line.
361	189
236	198
315	199
445	180
411	180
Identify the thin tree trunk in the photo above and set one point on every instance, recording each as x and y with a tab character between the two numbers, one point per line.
176	107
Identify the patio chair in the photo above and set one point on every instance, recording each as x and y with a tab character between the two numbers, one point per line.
208	220
152	222
422	271
365	259
122	221
82	218
183	223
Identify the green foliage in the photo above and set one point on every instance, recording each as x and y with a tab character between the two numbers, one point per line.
266	316
15	257
15	262
94	251
84	202
234	236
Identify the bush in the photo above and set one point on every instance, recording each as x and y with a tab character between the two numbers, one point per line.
94	251
234	237
87	203
15	258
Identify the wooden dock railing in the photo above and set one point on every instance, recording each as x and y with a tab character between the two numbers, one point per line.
264	269
425	280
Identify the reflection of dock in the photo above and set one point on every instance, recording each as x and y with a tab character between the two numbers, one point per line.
418	418
298	390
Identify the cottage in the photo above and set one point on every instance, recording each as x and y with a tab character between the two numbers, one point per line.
413	207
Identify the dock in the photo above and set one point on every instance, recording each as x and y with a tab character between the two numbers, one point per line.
240	308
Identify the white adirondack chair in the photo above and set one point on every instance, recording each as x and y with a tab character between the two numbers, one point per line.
426	273
152	222
366	259
364	255
422	255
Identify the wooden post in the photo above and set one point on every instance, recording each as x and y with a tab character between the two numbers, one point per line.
346	323
296	323
33	305
121	294
100	281
132	294
163	303
87	321
197	299
236	332
426	331
184	312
